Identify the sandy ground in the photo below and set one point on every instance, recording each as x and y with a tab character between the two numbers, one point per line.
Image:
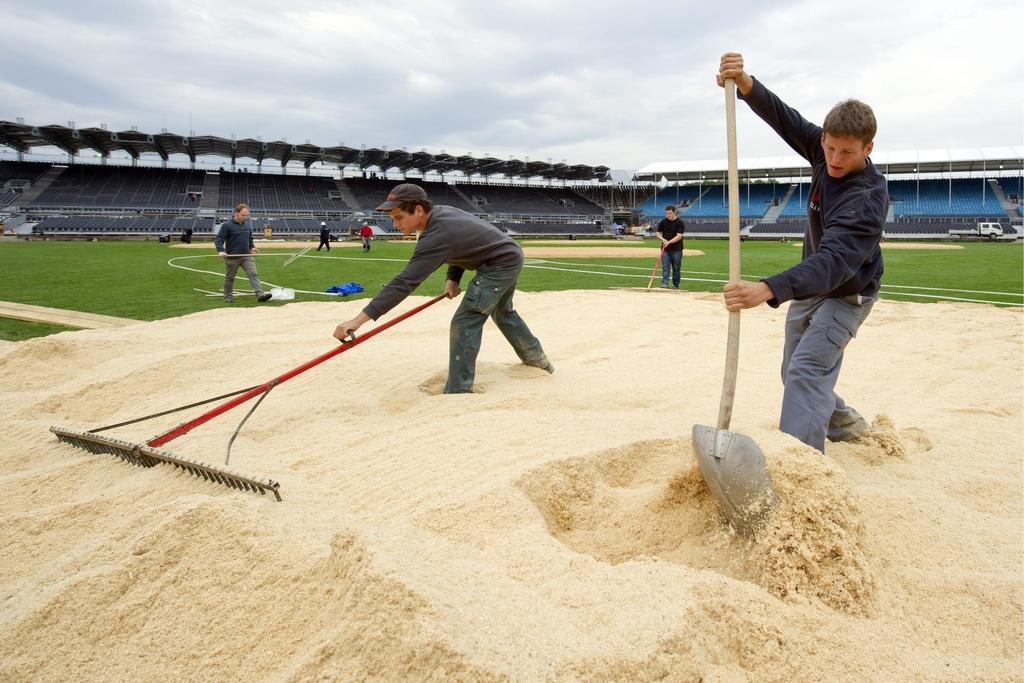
549	527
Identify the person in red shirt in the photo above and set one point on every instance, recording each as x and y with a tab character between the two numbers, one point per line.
366	232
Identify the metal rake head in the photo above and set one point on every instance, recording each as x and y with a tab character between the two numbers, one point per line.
145	456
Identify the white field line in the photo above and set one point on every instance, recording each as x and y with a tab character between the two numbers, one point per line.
884	287
174	264
755	277
533	263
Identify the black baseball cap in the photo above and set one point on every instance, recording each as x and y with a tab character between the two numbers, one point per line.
406	192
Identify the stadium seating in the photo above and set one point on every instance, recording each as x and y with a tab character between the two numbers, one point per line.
21	170
961	197
294	204
680	197
271	192
372	192
537	201
548	228
797	204
122	226
755	200
108	187
1014	189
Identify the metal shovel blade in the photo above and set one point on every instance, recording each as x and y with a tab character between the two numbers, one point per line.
734	468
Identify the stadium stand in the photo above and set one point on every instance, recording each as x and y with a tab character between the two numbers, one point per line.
797	204
91	199
755	200
110	225
147	225
679	197
270	192
105	187
539	201
535	228
1014	190
21	170
706	227
576	203
371	192
956	197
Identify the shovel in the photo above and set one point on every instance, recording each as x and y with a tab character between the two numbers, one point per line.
731	463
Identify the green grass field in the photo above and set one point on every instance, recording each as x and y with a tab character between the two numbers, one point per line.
150	281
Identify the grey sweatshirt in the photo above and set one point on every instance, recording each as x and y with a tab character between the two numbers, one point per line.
451	236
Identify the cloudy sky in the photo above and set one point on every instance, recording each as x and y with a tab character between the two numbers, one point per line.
621	84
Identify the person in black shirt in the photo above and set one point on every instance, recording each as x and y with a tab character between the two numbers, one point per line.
325	236
670	232
832	289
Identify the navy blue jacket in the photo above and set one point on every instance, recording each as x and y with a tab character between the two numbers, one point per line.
236	236
845	216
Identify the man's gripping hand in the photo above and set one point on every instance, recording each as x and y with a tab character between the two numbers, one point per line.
731	66
740	295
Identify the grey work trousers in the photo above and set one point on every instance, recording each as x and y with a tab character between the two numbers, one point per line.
248	264
817	332
489	294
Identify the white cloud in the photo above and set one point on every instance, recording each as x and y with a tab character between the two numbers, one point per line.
594	82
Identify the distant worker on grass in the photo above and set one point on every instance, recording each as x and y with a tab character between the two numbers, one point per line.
832	289
670	232
366	232
325	236
234	243
452	236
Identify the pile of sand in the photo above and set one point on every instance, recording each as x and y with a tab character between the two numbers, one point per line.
549	527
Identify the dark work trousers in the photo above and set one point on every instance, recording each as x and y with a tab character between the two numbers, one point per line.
489	294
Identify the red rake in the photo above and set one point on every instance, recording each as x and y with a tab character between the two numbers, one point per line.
149	453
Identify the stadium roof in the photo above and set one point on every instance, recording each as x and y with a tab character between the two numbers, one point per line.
23	137
922	161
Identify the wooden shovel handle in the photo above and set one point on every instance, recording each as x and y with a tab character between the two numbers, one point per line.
732	349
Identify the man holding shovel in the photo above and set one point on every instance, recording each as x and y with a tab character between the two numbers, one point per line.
464	242
832	289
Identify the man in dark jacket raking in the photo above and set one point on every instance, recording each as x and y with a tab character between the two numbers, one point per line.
832	289
464	242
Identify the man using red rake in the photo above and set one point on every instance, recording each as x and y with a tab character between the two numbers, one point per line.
464	242
832	289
